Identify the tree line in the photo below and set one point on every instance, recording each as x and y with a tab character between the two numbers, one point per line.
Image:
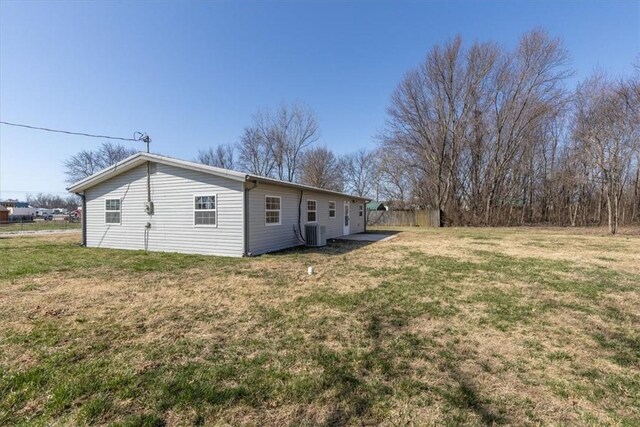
494	137
282	144
488	136
53	201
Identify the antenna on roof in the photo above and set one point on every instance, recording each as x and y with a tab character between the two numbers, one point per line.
139	136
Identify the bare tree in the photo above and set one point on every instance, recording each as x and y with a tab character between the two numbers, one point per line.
81	165
87	162
607	125
398	183
472	127
321	168
50	201
360	173
273	145
255	153
429	113
288	131
223	156
528	88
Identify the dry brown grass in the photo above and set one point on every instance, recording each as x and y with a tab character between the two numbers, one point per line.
458	326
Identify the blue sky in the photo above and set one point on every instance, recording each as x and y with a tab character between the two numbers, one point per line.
191	74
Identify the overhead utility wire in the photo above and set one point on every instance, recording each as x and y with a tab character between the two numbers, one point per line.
137	136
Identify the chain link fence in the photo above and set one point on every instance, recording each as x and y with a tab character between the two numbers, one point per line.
28	226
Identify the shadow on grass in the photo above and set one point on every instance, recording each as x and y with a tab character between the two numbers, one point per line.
468	397
334	247
623	345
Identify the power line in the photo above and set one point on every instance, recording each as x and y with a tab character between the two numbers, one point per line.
137	136
33	192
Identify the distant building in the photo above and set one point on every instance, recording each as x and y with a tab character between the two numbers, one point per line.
377	206
12	203
4	215
19	211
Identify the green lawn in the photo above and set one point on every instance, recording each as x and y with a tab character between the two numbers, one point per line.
438	326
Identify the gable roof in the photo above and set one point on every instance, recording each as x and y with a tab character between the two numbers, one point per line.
376	206
141	158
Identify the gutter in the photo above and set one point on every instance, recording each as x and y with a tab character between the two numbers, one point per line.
246	251
303	187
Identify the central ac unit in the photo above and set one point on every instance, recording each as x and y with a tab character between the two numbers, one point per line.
316	235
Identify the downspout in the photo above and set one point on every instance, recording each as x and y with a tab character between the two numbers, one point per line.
364	208
83	218
148	207
149	183
246	251
298	233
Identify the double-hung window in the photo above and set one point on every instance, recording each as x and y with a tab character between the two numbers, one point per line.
272	210
360	210
332	209
112	211
204	210
312	211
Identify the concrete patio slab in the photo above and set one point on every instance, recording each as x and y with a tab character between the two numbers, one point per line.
368	237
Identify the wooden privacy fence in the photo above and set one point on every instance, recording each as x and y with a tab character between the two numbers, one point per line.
414	218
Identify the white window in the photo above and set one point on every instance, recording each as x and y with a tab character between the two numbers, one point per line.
112	211
312	210
204	210
332	209
272	210
360	210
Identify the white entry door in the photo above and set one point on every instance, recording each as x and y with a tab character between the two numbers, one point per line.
345	224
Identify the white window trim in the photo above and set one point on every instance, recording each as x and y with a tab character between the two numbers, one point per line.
119	210
193	214
316	211
361	210
335	210
269	224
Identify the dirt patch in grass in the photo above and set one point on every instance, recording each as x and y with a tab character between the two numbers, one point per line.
438	326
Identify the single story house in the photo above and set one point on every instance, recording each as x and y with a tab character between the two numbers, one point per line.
159	203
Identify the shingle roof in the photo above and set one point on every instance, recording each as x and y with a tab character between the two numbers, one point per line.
140	158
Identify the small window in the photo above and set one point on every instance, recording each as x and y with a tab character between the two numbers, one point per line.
332	209
312	210
204	210
272	210
360	210
112	211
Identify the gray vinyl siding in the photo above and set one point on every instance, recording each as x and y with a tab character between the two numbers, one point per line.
266	238
172	225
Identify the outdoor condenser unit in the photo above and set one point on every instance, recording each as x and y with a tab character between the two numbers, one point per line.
316	235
